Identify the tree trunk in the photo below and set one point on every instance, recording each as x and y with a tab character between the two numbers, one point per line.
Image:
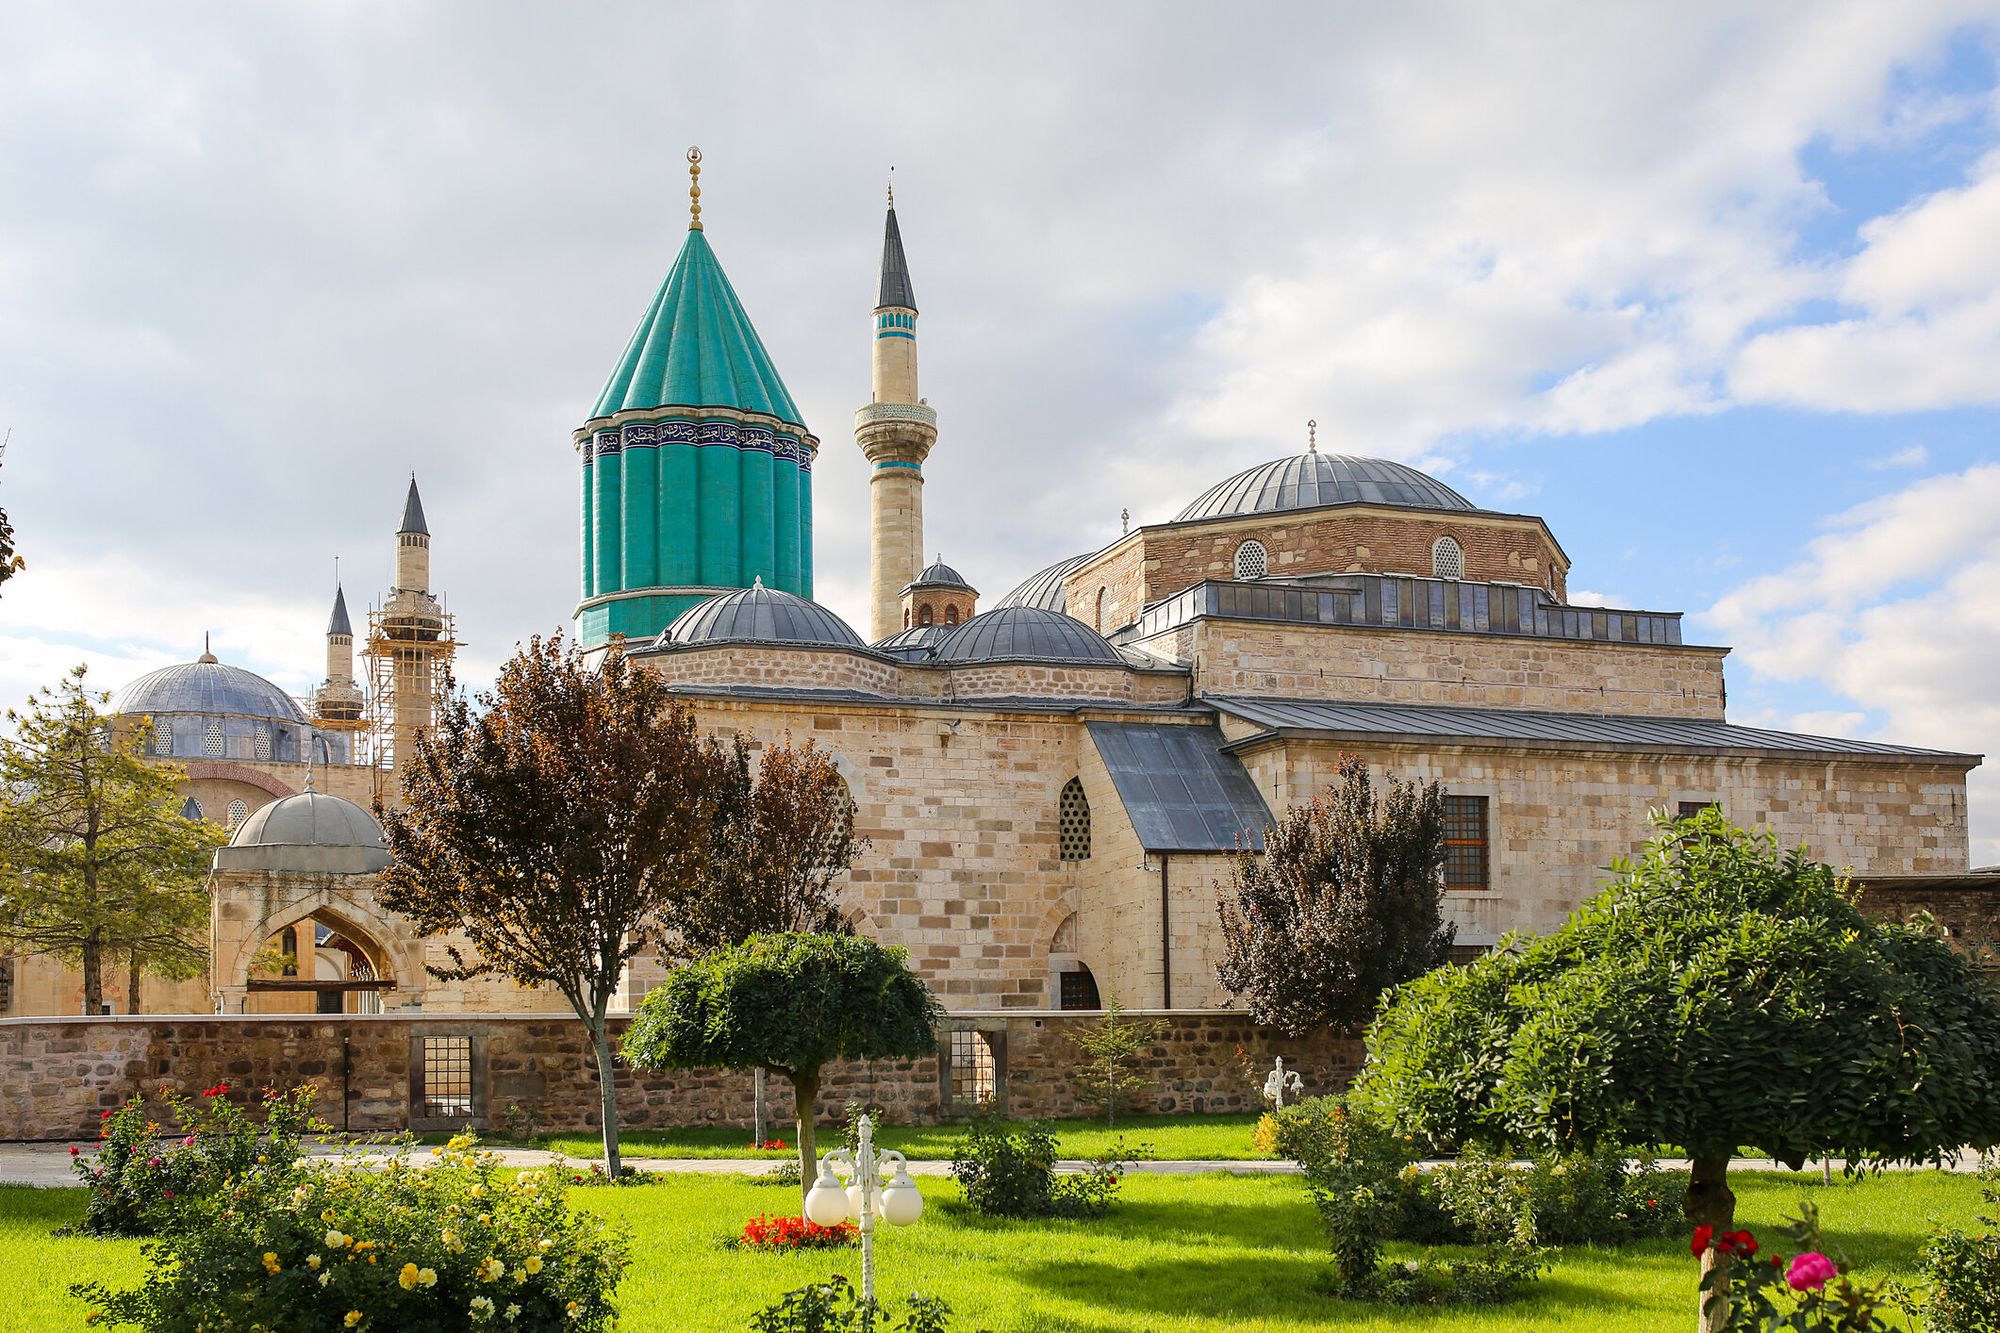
805	1092
600	1042
132	985
93	973
1710	1202
758	1134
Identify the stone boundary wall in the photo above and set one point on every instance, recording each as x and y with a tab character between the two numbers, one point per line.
57	1076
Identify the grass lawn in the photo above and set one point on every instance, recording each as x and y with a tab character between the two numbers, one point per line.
1179	1254
1206	1138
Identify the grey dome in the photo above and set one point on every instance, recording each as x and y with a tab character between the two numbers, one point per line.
309	832
915	643
207	686
1026	632
760	615
1309	480
1044	589
939	575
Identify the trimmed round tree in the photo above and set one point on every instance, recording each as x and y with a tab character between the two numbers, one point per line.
792	1003
1719	996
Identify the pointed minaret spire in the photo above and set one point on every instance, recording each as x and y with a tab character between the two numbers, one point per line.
338	623
895	432
413	511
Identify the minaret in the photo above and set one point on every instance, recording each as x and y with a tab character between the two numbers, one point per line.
339	701
895	432
410	642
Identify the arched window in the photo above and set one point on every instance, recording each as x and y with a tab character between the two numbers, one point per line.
263	749
950	613
1447	559
924	614
163	736
238	812
1073	822
211	740
1100	610
1252	561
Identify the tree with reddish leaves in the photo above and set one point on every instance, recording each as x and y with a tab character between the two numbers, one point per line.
557	826
1345	903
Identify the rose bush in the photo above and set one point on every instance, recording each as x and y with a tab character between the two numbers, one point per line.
367	1244
1809	1293
142	1172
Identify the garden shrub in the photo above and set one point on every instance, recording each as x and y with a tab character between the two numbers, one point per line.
1264	1138
833	1306
1964	1272
141	1174
1008	1170
367	1244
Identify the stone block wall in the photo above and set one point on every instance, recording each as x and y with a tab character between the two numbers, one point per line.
57	1076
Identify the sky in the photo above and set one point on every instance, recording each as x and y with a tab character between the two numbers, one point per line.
1713	288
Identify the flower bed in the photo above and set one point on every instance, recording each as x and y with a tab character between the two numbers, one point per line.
763	1232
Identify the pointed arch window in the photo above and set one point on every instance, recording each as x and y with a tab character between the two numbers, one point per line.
1252	561
1073	822
1447	559
924	614
1100	609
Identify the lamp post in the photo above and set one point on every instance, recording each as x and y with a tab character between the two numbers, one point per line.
828	1204
1279	1082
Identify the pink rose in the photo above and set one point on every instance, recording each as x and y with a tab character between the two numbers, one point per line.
1811	1271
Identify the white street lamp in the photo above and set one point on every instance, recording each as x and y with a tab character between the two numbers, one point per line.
1281	1081
898	1202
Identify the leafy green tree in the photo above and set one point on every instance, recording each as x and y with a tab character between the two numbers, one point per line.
1108	1074
1718	996
777	845
95	857
556	828
1345	903
791	1003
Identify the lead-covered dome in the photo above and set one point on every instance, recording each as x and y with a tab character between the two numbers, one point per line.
208	687
939	575
915	643
1026	632
311	831
1044	587
759	614
1307	481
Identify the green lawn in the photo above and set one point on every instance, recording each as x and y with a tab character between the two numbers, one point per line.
1207	1138
1179	1254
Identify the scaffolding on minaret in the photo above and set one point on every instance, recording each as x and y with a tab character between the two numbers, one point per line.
411	645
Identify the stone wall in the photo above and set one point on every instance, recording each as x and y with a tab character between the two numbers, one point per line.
57	1076
1403	666
1161	560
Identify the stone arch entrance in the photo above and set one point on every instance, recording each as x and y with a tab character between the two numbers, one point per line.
324	948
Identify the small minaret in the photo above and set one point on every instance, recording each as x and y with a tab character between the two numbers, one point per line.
339	701
895	432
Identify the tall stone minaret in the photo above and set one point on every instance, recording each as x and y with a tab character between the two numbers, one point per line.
339	701
415	633
895	432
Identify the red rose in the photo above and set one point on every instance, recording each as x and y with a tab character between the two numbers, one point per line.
1702	1235
73	1150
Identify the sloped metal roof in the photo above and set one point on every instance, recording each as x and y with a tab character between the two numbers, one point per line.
759	614
413	512
1017	632
939	575
1182	790
1579	730
209	687
338	622
1044	588
1305	481
896	288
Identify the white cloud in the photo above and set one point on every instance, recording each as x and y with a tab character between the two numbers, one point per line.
1898	610
1915	455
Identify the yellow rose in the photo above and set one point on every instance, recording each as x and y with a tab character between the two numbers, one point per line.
312	1262
533	1263
353	1318
427	1277
490	1268
407	1279
271	1264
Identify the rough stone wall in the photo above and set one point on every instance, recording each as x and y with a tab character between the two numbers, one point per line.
1969	915
789	668
58	1076
1160	561
1018	680
1557	819
1464	670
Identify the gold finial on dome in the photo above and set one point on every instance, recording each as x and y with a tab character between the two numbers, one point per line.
1312	437
694	189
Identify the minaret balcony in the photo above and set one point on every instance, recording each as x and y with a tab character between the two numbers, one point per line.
875	413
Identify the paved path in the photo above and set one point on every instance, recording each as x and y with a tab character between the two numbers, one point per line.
47	1165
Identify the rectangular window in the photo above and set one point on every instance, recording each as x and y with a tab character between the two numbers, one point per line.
1465	859
1079	991
447	1074
1689	809
972	1068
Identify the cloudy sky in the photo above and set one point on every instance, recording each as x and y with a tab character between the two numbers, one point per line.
1712	287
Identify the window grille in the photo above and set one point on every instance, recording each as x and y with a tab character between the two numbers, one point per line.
192	810
1465	842
1447	559
1689	809
211	740
238	812
1079	991
447	1077
263	744
1252	561
971	1068
163	736
1073	822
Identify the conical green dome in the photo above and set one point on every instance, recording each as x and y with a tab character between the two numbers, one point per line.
696	348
